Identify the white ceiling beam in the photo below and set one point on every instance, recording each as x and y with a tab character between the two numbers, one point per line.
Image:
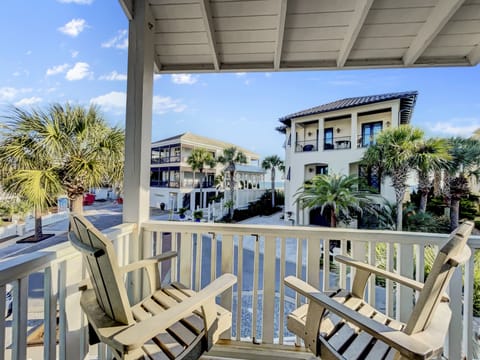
358	18
434	24
208	21
282	14
474	56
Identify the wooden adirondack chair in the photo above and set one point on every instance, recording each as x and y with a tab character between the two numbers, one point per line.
341	325
172	323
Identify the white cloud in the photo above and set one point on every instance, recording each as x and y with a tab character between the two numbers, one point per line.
116	101
113	76
162	105
157	76
74	53
456	127
120	41
240	74
113	101
184	79
74	27
28	101
9	93
79	2
57	69
79	71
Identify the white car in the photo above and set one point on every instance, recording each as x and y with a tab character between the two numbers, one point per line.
8	300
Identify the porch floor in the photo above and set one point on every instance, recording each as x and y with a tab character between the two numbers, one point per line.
227	349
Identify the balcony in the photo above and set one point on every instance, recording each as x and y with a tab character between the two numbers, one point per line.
338	143
260	256
306	146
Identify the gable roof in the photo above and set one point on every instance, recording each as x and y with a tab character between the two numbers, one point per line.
407	103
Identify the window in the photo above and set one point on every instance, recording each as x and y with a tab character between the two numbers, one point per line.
328	139
289	142
370	132
288	173
321	170
369	178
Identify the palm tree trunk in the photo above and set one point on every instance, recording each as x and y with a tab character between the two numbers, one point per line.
333	219
423	202
454	212
399	215
201	189
273	186
76	204
38	224
232	192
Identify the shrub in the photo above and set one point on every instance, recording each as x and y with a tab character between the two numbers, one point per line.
426	222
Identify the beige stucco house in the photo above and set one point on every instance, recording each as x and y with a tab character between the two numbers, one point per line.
332	138
176	185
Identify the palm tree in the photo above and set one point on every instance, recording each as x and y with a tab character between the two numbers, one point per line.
67	149
271	163
198	159
465	162
393	152
430	155
230	157
336	196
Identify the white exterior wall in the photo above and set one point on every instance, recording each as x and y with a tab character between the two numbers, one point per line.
339	161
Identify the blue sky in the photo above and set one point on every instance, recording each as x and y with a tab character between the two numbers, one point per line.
76	51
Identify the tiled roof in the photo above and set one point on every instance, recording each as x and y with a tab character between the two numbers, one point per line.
407	102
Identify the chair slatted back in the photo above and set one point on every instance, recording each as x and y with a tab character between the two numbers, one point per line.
438	278
103	269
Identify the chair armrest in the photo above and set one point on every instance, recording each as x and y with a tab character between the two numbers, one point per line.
413	284
147	262
413	347
136	335
150	265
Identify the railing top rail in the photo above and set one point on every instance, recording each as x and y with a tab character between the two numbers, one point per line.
20	266
299	232
474	241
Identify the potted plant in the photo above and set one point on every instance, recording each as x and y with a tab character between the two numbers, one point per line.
181	212
198	215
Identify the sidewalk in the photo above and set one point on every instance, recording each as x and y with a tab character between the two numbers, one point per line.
101	214
274	219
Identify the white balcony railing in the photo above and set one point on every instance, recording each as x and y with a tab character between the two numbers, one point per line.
260	256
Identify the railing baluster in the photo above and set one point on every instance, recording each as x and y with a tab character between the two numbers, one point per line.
299	274
454	338
50	308
313	258
404	294
326	265
468	307
256	273
227	267
198	262
213	257
371	281
20	318
342	267
186	258
281	315
2	321
269	272
419	265
390	250
239	287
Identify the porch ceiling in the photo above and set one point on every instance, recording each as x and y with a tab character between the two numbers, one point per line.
270	35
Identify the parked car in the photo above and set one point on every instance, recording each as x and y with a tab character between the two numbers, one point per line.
8	300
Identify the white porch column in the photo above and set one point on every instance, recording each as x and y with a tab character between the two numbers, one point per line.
138	128
321	131
353	131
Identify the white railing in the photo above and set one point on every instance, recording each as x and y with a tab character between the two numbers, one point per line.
260	256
